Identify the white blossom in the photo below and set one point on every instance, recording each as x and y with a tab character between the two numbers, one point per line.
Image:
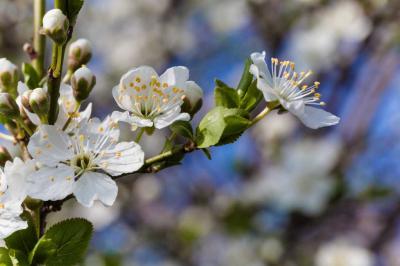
13	190
151	100
342	252
283	84
55	25
8	74
68	106
81	163
301	181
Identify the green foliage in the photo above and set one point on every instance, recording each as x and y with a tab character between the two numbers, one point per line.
64	243
226	97
246	79
182	128
72	10
251	98
23	240
220	123
376	193
5	259
31	77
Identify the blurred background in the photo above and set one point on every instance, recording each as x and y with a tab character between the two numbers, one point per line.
282	194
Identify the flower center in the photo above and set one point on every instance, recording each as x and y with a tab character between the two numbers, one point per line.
82	162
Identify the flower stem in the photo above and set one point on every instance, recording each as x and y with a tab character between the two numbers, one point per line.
260	116
139	135
71	116
39	40
25	127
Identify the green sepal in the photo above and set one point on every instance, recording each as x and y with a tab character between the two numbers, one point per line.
64	243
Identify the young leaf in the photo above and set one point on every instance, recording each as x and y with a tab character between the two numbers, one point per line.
210	128
5	259
64	243
23	240
226	97
207	153
73	7
31	77
182	128
252	97
235	124
246	79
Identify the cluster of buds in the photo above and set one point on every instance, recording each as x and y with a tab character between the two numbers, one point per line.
8	77
36	101
55	25
82	82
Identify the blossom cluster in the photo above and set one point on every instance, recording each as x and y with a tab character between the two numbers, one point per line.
80	156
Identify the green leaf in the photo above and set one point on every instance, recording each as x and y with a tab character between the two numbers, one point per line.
220	122
207	153
5	259
64	243
246	79
182	128
210	128
251	98
226	97
23	240
31	77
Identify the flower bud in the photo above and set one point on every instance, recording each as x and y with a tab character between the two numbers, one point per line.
193	98
4	156
79	53
39	102
8	106
25	100
82	82
55	25
8	76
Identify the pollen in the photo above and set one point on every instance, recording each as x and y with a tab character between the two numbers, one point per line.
131	84
138	79
101	129
118	154
165	85
49	145
2	206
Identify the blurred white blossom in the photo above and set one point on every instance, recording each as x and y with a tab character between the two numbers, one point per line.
341	252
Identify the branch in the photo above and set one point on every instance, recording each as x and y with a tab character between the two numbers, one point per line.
39	40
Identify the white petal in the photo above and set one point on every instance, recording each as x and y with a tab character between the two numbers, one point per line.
315	117
175	76
131	119
124	157
93	186
259	62
123	98
16	173
50	145
21	88
51	183
144	73
170	117
67	100
10	220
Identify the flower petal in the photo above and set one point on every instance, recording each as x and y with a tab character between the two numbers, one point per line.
50	145
170	117
176	76
10	220
131	119
16	173
93	186
51	183
124	157
315	117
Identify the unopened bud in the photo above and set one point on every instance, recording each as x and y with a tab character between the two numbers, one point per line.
82	82
193	98
8	76
25	100
55	25
39	102
79	53
4	156
8	106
